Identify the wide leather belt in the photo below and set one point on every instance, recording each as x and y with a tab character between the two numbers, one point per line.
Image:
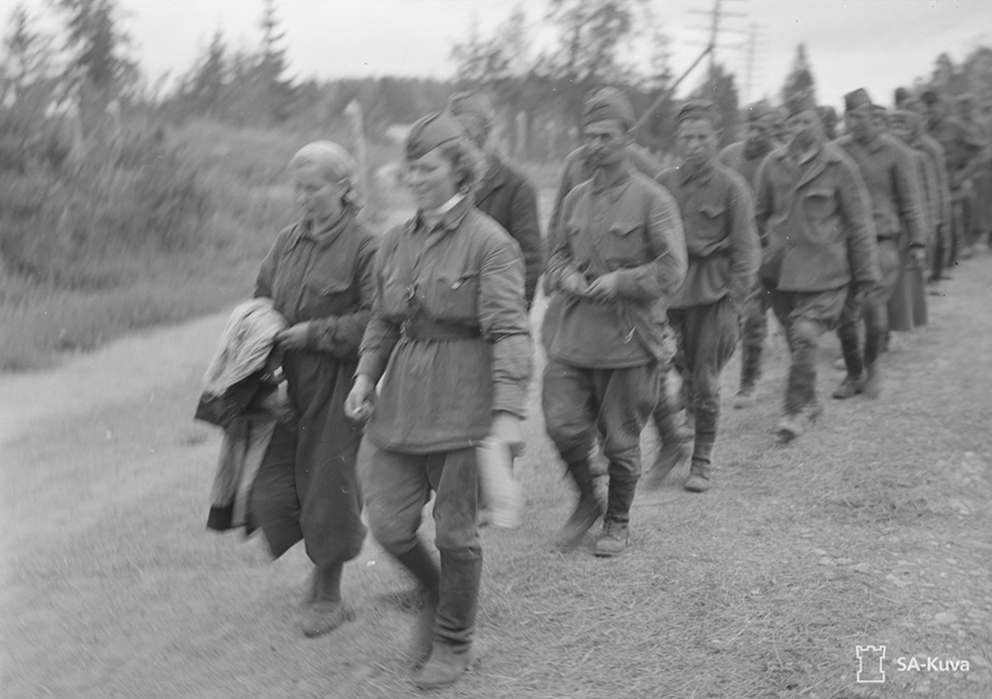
433	331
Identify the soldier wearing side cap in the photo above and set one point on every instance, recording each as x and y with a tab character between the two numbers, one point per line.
504	193
890	175
723	252
618	255
814	218
745	157
923	141
450	322
903	126
962	155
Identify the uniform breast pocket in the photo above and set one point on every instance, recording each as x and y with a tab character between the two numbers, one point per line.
624	244
820	204
453	296
709	234
328	296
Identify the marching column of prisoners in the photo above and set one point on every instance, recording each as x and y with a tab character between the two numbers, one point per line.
371	369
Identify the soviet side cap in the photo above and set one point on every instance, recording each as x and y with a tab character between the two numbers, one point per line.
431	131
608	103
800	102
697	109
855	99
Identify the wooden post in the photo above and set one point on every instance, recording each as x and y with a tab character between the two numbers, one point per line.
356	121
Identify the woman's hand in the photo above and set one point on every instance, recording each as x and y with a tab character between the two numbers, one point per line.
358	404
294	337
506	428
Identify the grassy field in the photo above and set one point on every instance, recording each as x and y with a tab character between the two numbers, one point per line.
873	529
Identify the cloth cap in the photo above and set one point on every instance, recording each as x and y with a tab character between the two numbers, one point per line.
827	113
858	98
800	102
472	104
930	98
431	131
758	111
608	103
900	95
906	116
698	109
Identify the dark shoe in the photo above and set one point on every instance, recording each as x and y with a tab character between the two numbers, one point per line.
422	638
699	477
670	455
445	667
613	540
583	517
794	425
873	383
849	387
325	617
745	397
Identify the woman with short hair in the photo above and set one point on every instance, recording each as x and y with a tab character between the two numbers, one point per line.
449	340
319	277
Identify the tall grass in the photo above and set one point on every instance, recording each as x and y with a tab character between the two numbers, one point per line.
154	224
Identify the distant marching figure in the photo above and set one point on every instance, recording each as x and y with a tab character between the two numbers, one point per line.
814	218
450	323
319	277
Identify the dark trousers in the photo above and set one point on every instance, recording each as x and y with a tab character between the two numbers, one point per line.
317	501
707	336
754	330
397	486
873	309
578	402
805	316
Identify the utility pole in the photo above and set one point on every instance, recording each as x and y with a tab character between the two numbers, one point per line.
751	62
716	16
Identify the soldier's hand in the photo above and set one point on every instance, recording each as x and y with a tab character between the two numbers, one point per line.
358	404
574	283
605	288
506	429
294	337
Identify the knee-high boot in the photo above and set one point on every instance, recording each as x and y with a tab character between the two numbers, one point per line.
457	606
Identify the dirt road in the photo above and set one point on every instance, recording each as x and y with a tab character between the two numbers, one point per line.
874	529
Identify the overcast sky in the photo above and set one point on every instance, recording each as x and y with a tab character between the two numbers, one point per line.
878	44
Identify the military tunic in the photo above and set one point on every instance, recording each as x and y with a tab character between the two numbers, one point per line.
814	217
604	356
723	252
307	485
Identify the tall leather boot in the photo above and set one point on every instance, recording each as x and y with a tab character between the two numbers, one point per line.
750	373
328	611
457	606
587	510
420	563
699	472
673	450
850	346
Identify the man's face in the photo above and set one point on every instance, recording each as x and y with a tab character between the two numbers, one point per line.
604	142
805	128
759	132
860	123
901	129
698	141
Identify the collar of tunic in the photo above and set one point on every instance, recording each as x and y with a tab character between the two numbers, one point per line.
701	174
326	234
613	187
